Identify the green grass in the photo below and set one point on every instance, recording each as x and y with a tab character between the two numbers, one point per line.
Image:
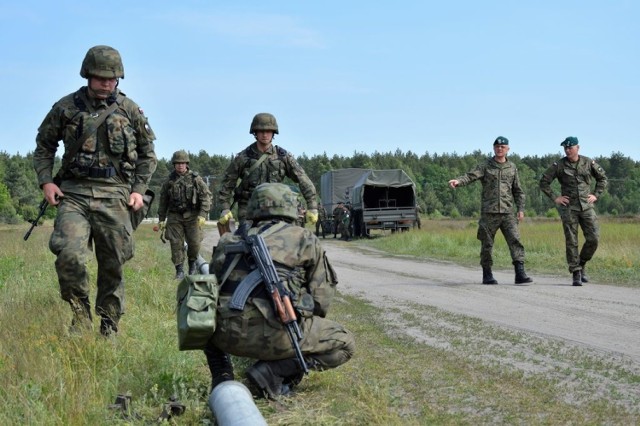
616	262
455	370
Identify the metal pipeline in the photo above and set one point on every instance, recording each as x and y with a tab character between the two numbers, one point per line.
232	405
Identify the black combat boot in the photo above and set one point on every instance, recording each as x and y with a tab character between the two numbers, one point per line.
82	319
192	267
108	326
220	366
521	276
583	273
274	378
179	272
577	278
487	276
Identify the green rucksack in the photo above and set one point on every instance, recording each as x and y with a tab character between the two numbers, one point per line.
197	298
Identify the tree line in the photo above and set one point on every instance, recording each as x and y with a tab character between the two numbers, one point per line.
20	194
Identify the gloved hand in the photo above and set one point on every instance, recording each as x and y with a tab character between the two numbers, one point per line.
225	217
162	225
201	221
312	216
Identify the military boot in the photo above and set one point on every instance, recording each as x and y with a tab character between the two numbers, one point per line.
487	276
577	278
193	269
272	379
179	272
220	366
583	273
108	326
82	319
521	276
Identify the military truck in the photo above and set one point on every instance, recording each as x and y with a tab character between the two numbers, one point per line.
379	199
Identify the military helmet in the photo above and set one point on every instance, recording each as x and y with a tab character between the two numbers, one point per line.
264	121
102	61
273	199
180	157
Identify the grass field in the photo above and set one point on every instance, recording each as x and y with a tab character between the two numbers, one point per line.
48	377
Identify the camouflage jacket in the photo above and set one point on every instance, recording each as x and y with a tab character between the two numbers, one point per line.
279	165
125	134
180	194
300	260
575	181
501	189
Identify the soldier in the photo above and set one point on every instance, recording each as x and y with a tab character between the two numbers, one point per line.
337	218
501	192
185	201
320	224
575	203
108	161
255	331
345	222
262	162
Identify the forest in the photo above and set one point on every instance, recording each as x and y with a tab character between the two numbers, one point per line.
20	195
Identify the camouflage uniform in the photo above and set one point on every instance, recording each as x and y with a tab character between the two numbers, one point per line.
94	208
502	198
256	332
322	216
575	183
182	200
279	165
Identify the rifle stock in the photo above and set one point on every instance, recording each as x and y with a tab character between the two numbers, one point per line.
279	295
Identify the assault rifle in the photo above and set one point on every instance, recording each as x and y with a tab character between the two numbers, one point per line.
43	208
280	296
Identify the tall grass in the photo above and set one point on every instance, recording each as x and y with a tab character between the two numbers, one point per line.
617	260
48	377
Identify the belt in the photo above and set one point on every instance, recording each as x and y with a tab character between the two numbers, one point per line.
99	172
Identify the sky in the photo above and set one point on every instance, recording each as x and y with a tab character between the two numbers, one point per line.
341	77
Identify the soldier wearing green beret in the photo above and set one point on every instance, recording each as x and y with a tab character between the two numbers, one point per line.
502	208
575	203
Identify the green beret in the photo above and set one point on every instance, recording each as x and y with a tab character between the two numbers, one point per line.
569	141
501	140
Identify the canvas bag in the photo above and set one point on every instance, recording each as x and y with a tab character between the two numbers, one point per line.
197	298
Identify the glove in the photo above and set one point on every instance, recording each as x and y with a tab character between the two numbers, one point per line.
162	225
312	216
201	221
225	217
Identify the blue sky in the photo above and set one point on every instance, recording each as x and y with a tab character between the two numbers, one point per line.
340	76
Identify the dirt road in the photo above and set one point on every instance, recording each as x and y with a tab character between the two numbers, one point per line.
600	317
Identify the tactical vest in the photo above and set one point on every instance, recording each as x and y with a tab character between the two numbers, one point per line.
116	134
275	171
183	192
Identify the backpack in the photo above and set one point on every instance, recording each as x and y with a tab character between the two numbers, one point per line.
197	299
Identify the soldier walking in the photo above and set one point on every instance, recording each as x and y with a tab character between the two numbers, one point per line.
185	201
107	164
262	162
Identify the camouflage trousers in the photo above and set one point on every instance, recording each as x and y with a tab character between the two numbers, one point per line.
255	333
588	221
181	229
488	226
84	223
